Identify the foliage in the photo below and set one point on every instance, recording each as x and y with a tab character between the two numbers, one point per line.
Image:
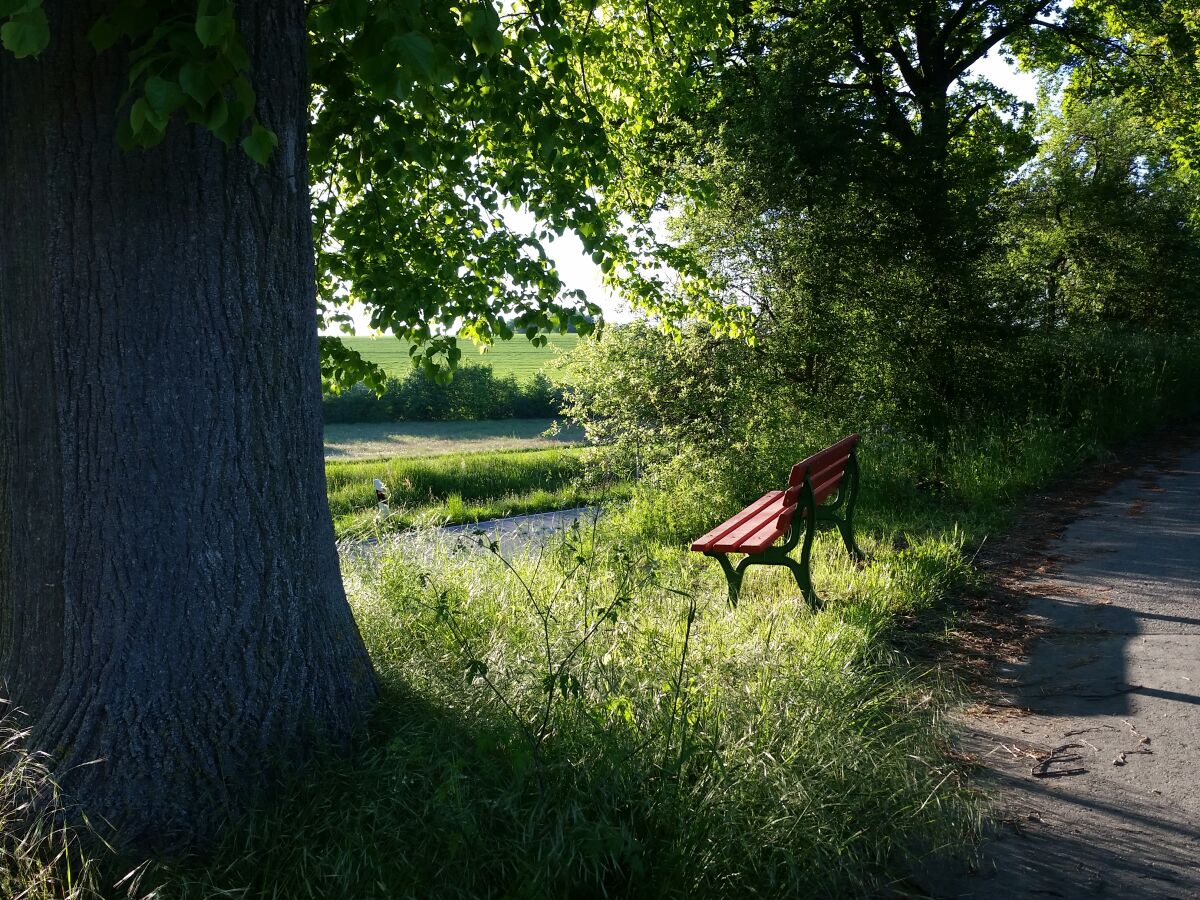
1152	58
706	433
430	121
803	127
833	167
430	124
1106	228
475	393
855	199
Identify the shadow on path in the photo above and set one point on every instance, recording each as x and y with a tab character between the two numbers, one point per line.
1096	768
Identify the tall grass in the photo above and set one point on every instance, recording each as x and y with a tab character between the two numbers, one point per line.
40	856
457	488
595	721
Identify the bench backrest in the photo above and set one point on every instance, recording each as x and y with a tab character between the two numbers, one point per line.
825	470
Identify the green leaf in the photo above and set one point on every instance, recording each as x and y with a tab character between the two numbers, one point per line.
26	33
13	7
244	91
197	83
138	114
218	114
104	34
164	96
215	28
259	144
416	51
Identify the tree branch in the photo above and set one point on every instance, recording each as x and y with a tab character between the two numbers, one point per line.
894	122
1028	17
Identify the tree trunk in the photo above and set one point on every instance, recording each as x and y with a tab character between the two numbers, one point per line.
172	617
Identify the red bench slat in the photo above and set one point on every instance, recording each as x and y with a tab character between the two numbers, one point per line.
706	541
764	518
818	463
758	533
767	519
770	533
835	468
822	491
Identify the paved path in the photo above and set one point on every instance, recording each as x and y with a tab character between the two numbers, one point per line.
513	534
517	532
1108	710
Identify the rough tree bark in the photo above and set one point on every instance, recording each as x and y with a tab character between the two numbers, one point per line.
170	602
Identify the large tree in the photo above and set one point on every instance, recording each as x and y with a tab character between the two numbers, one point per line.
172	619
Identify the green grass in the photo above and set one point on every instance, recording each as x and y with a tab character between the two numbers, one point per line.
688	749
593	720
517	357
379	440
458	488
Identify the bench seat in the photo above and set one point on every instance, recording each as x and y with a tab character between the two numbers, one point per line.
755	528
754	531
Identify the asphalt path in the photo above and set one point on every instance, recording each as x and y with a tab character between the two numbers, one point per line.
1095	769
511	535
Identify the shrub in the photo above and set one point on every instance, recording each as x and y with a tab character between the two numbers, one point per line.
704	427
474	393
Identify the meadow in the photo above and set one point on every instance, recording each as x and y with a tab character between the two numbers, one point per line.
593	719
517	357
380	440
458	488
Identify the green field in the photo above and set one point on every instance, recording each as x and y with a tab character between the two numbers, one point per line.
517	357
458	488
379	440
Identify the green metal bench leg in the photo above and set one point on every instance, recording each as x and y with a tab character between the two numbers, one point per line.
847	531
803	569
803	581
845	524
732	576
735	575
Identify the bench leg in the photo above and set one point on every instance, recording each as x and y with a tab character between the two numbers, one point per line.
732	576
846	527
803	581
845	523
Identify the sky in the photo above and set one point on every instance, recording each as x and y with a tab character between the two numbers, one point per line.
579	272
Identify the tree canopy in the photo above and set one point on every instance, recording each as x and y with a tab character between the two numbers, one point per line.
434	124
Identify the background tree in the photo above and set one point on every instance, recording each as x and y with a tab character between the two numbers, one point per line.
1106	229
835	165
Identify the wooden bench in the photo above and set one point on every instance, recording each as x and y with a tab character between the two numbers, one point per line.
793	515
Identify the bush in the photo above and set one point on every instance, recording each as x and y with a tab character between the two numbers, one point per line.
703	427
474	393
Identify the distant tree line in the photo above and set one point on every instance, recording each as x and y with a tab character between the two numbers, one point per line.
474	393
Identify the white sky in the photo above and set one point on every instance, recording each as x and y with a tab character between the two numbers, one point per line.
579	272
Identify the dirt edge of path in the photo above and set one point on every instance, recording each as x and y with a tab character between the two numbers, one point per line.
990	625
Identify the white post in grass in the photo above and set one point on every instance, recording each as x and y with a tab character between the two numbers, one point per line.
382	496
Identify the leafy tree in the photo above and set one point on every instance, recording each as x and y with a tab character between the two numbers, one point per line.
172	618
1149	53
1107	229
834	165
844	182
